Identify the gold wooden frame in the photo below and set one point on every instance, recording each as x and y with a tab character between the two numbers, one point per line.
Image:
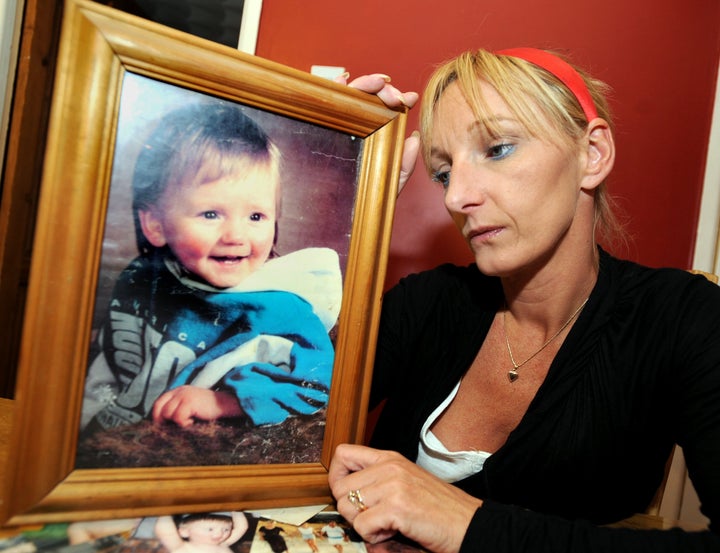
98	45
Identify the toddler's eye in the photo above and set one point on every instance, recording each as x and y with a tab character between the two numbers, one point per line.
210	214
257	216
499	151
443	177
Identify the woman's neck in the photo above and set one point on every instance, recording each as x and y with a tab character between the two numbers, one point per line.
546	298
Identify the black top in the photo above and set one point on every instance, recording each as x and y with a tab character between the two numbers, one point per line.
638	372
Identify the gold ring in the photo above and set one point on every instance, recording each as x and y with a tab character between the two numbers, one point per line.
356	499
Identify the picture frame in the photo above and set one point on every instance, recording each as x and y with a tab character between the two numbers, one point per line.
99	46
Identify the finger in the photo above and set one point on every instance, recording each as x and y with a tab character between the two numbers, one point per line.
343	78
370	518
410	98
181	414
159	407
370	83
374	526
379	83
173	409
392	97
348	459
409	159
348	511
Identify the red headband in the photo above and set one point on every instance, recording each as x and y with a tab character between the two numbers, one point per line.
562	70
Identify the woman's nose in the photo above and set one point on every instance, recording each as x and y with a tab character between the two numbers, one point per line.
464	190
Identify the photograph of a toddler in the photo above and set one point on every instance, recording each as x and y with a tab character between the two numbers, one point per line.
210	322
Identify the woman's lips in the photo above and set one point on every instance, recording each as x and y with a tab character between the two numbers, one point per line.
483	234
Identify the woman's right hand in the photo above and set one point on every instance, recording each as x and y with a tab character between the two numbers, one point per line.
382	493
379	85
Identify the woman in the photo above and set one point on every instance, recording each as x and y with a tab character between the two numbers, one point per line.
549	381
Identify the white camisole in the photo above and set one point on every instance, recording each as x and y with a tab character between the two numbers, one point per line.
434	457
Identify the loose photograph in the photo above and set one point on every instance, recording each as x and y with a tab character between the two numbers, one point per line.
326	532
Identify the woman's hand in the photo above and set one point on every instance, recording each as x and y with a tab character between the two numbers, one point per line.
379	85
396	495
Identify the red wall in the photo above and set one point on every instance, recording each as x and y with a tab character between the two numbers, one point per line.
660	57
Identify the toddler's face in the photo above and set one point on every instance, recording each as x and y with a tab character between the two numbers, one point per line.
208	532
221	231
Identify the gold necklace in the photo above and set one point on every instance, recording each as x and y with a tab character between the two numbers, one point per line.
513	373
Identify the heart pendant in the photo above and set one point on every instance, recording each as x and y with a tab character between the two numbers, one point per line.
513	375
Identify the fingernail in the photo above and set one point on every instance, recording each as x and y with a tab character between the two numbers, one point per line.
401	98
345	75
384	77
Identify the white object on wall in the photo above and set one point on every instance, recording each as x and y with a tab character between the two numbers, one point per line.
707	242
249	26
680	500
327	71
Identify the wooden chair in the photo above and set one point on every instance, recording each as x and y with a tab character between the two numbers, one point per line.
654	507
710	276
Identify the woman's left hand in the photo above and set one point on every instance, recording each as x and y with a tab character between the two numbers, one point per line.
379	84
394	495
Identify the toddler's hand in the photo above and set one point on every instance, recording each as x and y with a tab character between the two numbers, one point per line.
186	404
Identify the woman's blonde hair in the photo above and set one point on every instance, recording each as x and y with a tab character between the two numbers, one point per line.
538	99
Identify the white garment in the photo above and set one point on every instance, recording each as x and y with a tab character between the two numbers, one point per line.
311	273
434	457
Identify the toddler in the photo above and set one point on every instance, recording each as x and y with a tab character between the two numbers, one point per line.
201	532
207	322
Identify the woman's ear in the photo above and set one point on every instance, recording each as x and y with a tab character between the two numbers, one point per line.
600	154
152	228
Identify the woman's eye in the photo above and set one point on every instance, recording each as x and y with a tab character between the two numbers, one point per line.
210	214
499	151
443	177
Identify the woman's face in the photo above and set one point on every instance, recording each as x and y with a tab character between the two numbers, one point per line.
513	196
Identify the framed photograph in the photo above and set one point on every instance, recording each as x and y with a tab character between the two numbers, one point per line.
210	253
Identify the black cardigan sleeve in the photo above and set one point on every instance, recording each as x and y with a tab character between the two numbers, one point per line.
499	528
